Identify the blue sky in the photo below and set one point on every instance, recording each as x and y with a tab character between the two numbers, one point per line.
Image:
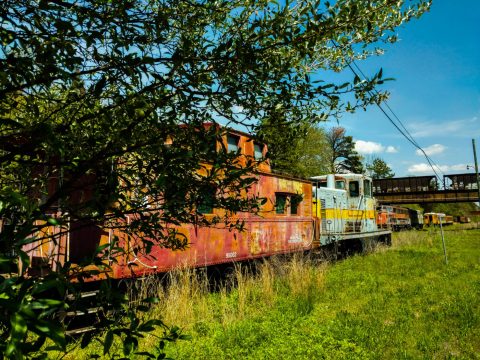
436	93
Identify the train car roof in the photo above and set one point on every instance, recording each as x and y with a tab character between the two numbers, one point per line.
342	176
433	213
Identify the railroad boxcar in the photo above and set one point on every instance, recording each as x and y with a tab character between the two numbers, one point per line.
434	219
461	219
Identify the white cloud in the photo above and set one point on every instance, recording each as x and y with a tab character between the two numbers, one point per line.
368	147
459	167
371	147
460	127
391	149
424	168
434	149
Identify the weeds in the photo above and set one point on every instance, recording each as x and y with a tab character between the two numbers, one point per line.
397	302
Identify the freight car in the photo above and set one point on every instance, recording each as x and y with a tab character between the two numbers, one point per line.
448	220
461	219
398	218
297	215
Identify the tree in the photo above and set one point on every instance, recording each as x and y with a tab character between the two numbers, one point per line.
313	153
301	152
93	91
455	209
344	158
378	169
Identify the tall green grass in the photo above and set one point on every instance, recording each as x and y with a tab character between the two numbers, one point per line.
400	302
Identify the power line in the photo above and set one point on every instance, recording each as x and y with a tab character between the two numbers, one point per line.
405	133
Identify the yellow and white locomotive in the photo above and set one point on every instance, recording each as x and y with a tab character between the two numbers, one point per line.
345	209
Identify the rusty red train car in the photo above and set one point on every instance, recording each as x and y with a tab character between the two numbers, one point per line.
276	229
284	224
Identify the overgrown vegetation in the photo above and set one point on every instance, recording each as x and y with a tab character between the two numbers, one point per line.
398	302
459	209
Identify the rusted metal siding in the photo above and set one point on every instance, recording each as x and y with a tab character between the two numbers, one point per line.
265	234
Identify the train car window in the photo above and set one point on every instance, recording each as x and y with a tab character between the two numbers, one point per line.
206	201
233	142
354	188
340	184
367	188
323	184
280	203
295	201
257	151
212	146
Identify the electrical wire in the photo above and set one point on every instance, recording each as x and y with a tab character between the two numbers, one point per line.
405	133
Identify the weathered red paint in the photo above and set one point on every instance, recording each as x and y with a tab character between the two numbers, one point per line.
265	234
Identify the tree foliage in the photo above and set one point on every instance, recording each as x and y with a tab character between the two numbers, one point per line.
313	153
378	169
93	91
454	209
302	153
343	157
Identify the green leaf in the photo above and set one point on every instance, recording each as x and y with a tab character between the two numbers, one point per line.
86	339
19	327
151	300
108	342
52	221
51	330
128	345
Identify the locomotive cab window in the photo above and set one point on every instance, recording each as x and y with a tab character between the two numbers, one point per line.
367	188
233	142
354	188
340	184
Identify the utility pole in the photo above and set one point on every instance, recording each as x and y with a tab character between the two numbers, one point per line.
476	168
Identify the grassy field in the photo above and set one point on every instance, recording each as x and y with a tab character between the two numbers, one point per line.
401	302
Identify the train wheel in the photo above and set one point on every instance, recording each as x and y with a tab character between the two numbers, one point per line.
388	240
369	245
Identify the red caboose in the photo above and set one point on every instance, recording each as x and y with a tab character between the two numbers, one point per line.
284	224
